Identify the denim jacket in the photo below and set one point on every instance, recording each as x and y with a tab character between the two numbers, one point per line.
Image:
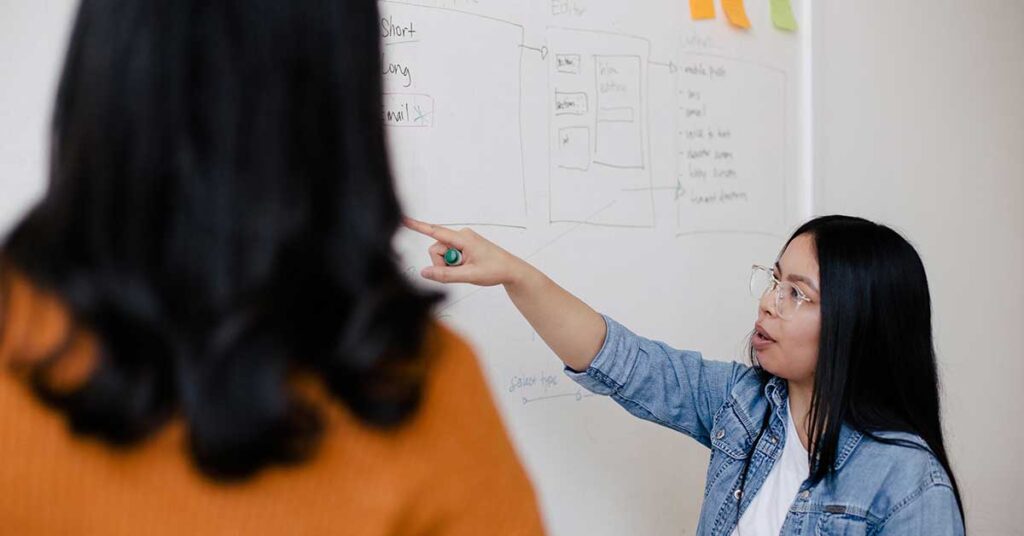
877	488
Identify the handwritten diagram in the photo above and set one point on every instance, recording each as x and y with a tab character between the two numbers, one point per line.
454	139
599	129
730	146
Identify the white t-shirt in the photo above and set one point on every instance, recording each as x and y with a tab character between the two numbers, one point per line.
767	512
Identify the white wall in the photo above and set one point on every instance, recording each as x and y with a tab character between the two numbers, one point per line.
919	124
32	41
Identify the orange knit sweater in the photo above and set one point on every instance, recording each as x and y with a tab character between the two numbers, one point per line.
450	470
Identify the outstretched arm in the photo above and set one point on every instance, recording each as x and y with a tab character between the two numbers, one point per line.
570	327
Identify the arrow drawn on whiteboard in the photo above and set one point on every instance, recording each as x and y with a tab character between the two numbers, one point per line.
542	50
578	395
672	67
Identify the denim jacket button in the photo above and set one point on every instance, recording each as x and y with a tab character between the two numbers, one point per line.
773	439
738	494
720	434
805	494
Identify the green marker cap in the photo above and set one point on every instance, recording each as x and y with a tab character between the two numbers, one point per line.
453	257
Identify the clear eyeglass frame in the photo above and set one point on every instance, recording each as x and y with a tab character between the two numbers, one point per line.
788	297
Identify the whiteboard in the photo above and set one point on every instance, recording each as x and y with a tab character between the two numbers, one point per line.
642	160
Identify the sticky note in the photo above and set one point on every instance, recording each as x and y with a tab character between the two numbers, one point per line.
782	15
702	9
736	13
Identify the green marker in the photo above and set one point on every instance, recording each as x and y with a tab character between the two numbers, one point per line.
453	257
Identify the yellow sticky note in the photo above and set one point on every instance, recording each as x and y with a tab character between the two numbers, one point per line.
782	15
736	13
702	9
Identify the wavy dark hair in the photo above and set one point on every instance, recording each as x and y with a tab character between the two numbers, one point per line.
876	368
220	214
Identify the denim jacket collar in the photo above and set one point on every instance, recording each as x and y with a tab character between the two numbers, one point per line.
776	391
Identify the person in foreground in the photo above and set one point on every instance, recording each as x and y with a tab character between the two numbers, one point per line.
203	329
835	429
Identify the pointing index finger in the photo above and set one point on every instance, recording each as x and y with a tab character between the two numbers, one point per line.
437	232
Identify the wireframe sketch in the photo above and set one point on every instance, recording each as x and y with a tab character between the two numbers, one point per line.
599	163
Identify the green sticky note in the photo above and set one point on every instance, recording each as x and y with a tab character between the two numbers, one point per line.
782	15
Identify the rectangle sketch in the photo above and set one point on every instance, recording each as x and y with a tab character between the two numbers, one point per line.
618	89
574	148
731	146
408	110
574	103
599	129
568	63
616	115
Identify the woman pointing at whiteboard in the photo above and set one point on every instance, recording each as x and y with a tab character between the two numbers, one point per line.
835	429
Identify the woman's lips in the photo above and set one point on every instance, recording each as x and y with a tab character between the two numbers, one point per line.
761	339
761	342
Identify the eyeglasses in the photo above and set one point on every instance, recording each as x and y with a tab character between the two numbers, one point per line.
788	297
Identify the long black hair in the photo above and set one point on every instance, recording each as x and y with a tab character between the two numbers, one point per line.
220	214
876	368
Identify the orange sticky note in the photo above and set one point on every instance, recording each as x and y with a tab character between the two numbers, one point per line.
736	13
702	9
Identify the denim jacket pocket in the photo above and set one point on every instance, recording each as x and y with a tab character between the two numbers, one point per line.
728	434
837	520
730	445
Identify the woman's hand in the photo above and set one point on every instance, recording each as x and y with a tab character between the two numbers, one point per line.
483	262
573	330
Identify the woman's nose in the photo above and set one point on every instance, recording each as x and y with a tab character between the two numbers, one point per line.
767	303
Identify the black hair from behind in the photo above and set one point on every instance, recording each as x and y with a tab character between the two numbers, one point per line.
220	214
